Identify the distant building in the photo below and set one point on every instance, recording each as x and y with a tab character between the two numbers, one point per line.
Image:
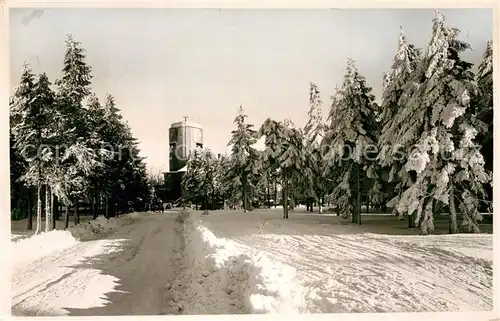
184	137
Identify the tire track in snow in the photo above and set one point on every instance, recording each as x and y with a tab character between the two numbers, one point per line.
135	249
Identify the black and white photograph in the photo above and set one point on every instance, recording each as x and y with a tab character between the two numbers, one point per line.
228	161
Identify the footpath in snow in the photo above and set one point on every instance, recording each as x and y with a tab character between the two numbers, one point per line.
233	263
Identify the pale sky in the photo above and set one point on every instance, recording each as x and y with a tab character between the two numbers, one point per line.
162	64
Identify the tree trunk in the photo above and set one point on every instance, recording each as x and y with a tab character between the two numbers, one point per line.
268	195
354	210
94	207
66	217
18	211
453	211
358	186
77	211
354	198
30	210
411	220
55	210
244	198
285	197
106	207
275	194
48	218
59	209
112	206
39	209
98	204
356	218
320	203
205	204
368	206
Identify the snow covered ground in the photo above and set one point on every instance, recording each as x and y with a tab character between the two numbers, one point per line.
339	269
233	263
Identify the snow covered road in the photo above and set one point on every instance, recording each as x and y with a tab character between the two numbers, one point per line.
121	275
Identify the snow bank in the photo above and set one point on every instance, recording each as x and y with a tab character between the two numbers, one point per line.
95	228
25	250
34	247
219	278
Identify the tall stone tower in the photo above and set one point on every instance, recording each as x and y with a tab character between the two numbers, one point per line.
184	137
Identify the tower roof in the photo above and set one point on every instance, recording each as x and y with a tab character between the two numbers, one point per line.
185	124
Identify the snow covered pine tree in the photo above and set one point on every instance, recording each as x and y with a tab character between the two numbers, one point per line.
353	127
244	170
314	131
403	68
445	163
